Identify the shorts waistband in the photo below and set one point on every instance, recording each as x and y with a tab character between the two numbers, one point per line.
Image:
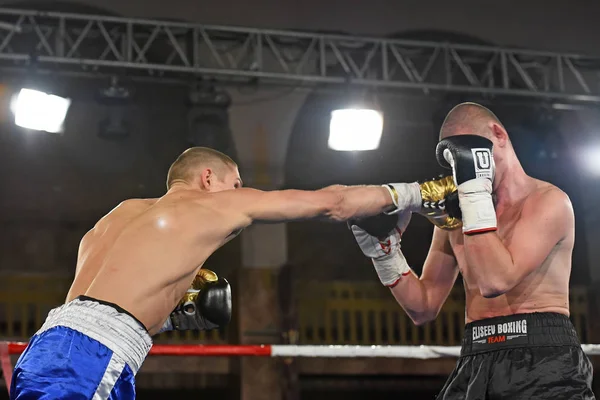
113	305
519	330
108	324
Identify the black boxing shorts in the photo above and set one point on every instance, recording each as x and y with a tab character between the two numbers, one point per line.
522	356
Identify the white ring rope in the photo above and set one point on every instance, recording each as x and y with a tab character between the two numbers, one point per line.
418	352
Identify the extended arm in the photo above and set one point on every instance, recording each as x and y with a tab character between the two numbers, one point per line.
497	267
335	203
341	203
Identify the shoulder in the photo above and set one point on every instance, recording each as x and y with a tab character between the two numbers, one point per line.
549	195
549	200
197	199
234	199
129	208
133	204
125	210
219	211
187	203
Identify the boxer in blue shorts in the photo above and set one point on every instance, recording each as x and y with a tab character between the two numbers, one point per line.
139	272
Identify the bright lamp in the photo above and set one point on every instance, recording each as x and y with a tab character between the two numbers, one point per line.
40	111
590	159
355	130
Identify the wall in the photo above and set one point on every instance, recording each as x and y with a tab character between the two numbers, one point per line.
54	187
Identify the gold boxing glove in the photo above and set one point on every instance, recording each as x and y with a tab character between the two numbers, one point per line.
440	203
206	304
436	199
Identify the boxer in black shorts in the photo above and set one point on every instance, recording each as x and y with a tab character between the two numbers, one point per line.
522	356
511	238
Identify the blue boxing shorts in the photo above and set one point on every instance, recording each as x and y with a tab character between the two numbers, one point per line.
86	349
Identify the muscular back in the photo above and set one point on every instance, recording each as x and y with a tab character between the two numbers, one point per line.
545	289
97	242
144	254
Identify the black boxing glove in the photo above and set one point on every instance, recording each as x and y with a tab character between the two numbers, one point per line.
471	159
206	305
379	239
379	226
452	206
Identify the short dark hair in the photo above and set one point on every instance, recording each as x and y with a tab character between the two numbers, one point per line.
196	158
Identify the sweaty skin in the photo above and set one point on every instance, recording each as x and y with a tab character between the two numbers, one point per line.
545	289
539	286
522	267
145	253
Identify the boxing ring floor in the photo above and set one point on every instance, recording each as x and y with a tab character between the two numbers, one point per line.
8	349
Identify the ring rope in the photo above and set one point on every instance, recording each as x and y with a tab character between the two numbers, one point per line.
276	350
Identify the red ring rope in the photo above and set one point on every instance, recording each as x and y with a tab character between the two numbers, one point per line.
210	350
185	350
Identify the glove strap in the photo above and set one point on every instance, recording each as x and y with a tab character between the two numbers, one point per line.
187	316
391	268
167	326
406	196
477	206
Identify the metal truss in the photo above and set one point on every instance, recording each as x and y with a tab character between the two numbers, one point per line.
166	49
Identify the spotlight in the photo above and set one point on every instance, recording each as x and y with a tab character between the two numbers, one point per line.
590	160
355	130
40	111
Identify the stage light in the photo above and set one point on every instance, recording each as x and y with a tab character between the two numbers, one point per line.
590	160
355	130
40	111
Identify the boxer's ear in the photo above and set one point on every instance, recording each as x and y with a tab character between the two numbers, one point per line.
499	133
206	178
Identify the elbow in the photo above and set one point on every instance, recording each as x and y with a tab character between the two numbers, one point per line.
420	319
491	293
492	290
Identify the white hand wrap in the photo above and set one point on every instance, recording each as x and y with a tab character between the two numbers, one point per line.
477	206
406	196
391	268
388	260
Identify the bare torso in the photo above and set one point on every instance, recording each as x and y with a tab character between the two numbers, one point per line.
144	254
546	289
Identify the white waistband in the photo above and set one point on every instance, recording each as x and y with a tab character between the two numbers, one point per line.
116	330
